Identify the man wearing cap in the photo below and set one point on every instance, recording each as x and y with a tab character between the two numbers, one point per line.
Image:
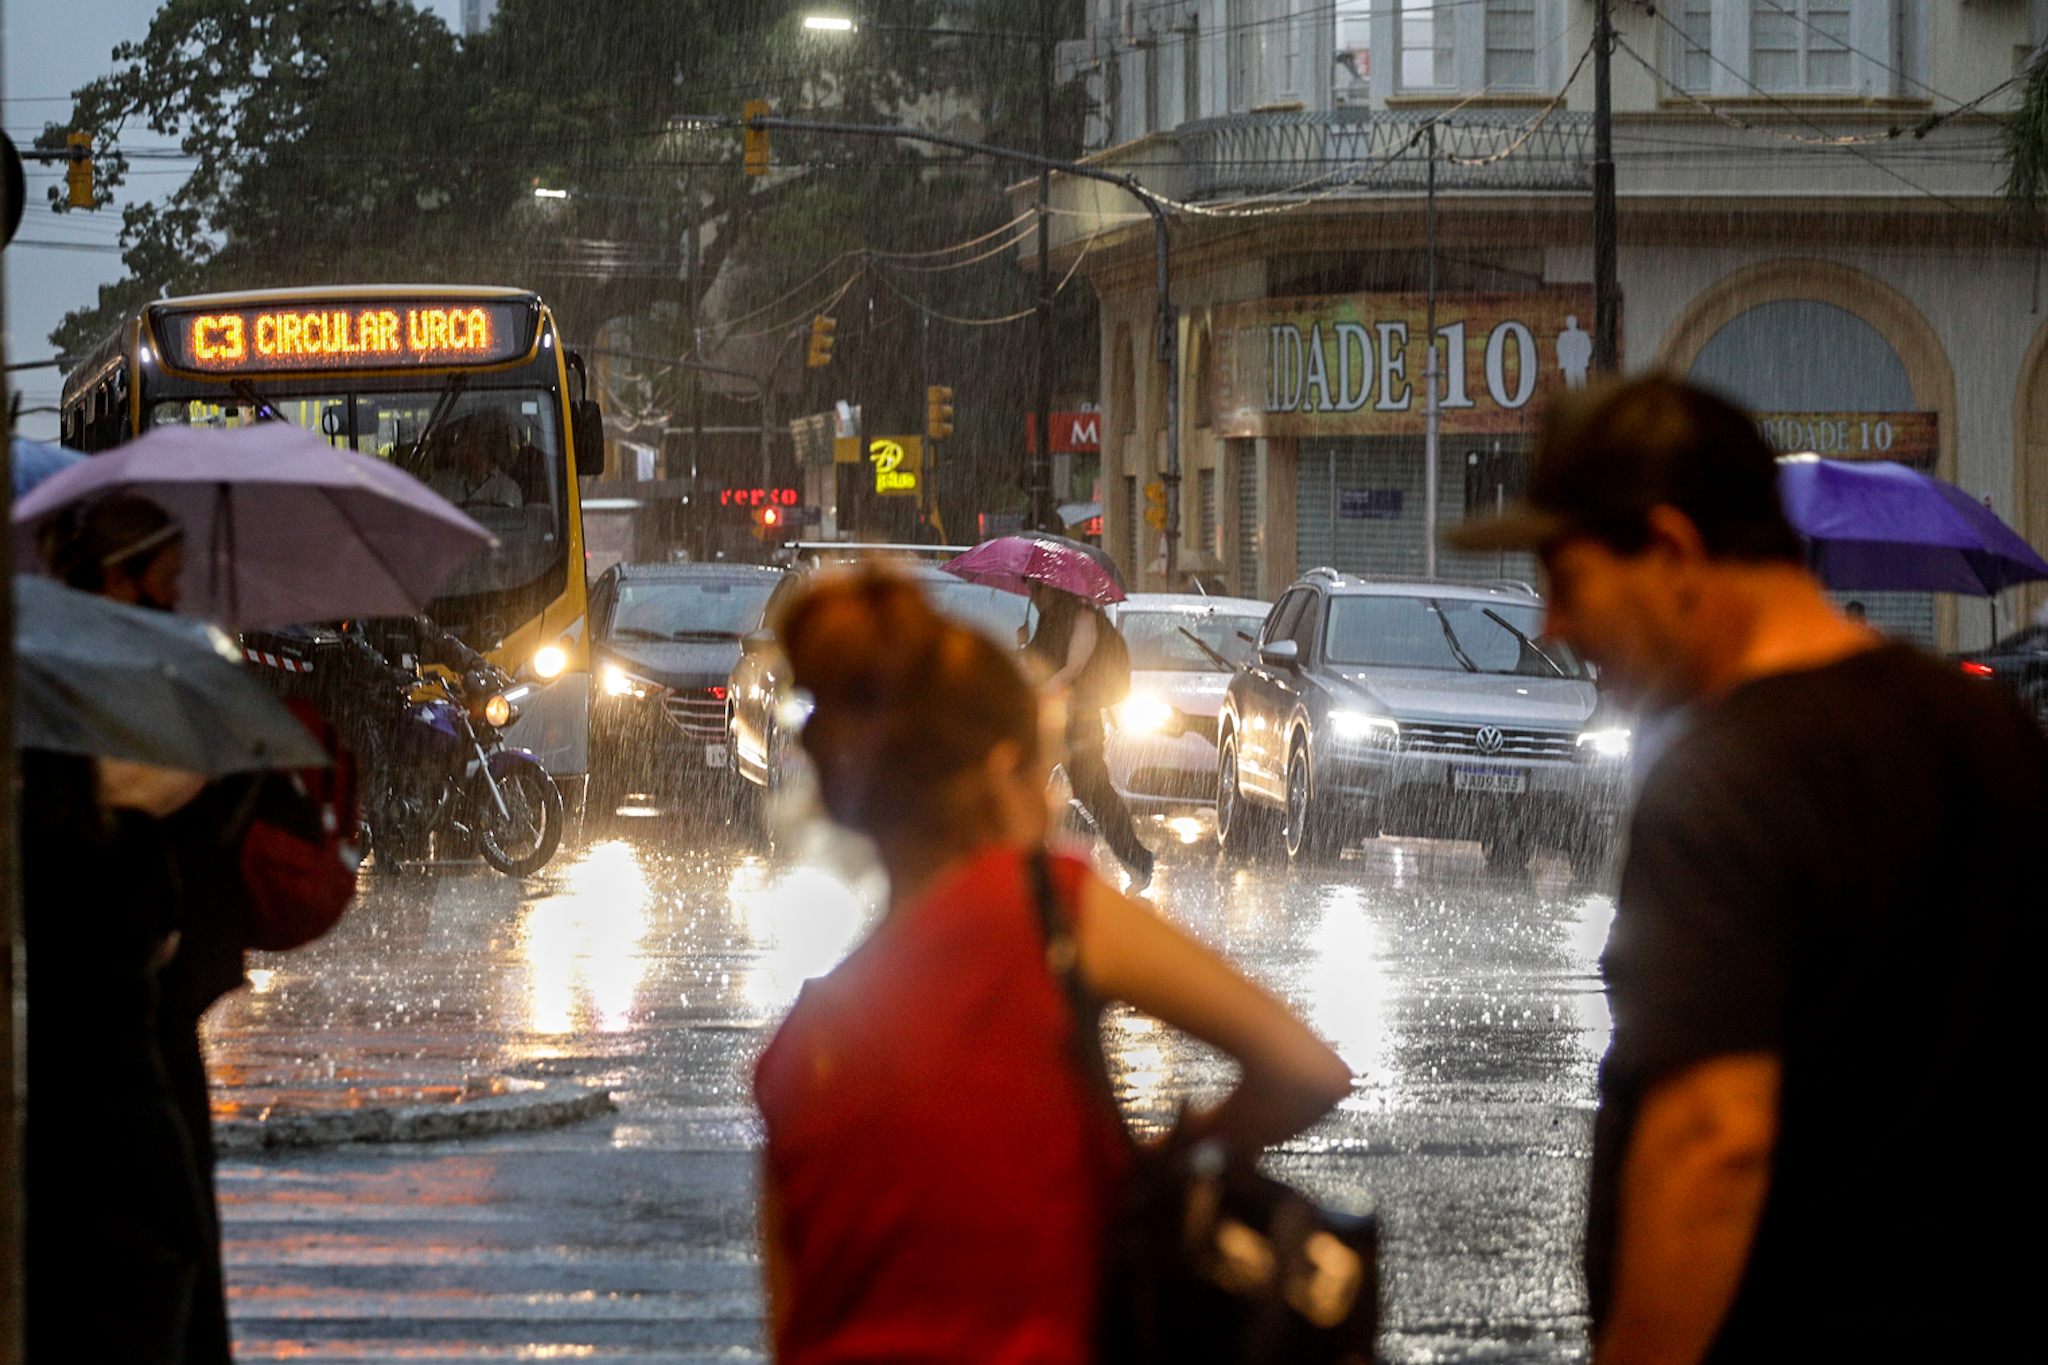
1824	935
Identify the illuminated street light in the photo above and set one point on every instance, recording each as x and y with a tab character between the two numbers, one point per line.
830	23
540	193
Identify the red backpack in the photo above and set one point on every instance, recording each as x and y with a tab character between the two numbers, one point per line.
297	890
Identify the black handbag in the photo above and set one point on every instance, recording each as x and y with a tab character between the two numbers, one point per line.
1208	1260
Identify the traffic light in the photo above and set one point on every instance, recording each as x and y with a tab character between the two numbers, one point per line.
78	176
767	521
938	412
754	141
1155	508
822	328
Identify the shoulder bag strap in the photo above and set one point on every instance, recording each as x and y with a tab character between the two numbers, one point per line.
1063	962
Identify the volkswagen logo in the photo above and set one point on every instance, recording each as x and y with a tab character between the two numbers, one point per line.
1490	739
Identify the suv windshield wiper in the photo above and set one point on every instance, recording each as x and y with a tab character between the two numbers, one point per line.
1451	639
1203	645
1527	643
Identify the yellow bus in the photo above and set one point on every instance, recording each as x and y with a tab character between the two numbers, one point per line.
377	368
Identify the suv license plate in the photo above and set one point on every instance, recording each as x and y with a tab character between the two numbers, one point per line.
1499	781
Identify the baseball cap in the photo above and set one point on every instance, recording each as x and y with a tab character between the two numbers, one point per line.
1608	454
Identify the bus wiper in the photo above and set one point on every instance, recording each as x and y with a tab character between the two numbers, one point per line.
450	391
1527	643
258	405
1203	645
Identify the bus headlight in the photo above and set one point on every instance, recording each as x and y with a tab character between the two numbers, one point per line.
497	713
549	661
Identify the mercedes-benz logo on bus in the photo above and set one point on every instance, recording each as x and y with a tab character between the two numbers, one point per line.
1490	739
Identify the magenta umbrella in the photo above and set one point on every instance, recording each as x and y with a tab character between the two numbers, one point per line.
280	527
1014	563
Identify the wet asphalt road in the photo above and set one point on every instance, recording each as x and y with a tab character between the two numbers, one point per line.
654	959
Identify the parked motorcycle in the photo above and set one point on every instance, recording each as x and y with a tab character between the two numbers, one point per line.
440	775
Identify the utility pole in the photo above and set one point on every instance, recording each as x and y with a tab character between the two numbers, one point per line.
1043	515
1606	287
1429	405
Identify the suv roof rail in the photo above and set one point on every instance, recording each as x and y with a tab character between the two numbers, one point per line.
1511	584
1324	571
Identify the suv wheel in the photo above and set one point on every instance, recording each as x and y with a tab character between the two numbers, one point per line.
1311	834
1240	826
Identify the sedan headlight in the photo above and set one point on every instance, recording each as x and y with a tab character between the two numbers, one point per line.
1356	727
1607	744
1141	713
619	683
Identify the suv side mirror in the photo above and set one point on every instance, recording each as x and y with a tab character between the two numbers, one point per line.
586	429
1280	653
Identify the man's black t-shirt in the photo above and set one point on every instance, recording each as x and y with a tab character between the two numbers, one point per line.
1844	867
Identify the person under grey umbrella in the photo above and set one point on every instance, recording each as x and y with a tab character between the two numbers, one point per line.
127	548
1090	667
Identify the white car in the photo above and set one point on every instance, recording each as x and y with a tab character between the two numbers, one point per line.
1184	649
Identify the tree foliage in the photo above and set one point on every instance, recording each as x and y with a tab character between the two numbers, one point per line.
2026	148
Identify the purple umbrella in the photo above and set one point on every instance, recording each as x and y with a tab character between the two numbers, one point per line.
1875	526
1014	563
280	527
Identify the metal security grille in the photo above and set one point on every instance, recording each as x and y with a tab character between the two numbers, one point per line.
1367	151
700	712
1205	496
1132	541
1248	546
1464	739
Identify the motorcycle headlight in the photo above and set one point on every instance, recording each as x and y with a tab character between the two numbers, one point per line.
549	661
498	712
1610	744
1141	713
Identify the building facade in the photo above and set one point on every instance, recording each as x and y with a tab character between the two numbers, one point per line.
1810	222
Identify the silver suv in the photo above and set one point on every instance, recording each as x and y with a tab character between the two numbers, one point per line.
1434	710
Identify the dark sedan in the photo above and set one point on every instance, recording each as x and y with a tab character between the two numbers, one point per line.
666	637
2020	661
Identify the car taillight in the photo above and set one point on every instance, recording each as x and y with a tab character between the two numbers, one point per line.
716	693
1977	670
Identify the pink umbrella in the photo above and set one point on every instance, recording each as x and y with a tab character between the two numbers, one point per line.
280	527
1014	563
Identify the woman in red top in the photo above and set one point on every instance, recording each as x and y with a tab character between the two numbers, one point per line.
939	1174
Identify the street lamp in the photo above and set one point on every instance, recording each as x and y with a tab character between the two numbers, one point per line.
1043	514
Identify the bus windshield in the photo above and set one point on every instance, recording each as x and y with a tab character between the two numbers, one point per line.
495	453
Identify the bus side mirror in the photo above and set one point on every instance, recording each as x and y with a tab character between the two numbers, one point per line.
586	429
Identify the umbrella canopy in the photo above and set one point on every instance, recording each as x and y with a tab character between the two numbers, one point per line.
1876	526
35	461
1014	563
95	676
280	527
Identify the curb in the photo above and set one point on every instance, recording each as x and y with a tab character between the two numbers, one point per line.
533	1105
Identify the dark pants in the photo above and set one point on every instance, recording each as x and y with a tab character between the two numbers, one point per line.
206	1338
1088	775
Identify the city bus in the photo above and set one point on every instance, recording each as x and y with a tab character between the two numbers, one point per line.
380	369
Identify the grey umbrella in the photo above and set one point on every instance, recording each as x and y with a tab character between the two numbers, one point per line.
99	677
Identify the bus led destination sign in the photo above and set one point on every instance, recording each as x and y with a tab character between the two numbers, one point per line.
384	335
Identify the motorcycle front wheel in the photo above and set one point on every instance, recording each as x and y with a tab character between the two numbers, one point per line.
520	842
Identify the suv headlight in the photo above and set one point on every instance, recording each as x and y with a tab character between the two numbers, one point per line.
1356	727
1608	744
1141	713
619	683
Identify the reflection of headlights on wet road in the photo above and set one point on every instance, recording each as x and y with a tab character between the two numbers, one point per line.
1141	713
619	683
549	661
1356	727
1605	744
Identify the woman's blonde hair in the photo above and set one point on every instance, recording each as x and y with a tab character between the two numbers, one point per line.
903	699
